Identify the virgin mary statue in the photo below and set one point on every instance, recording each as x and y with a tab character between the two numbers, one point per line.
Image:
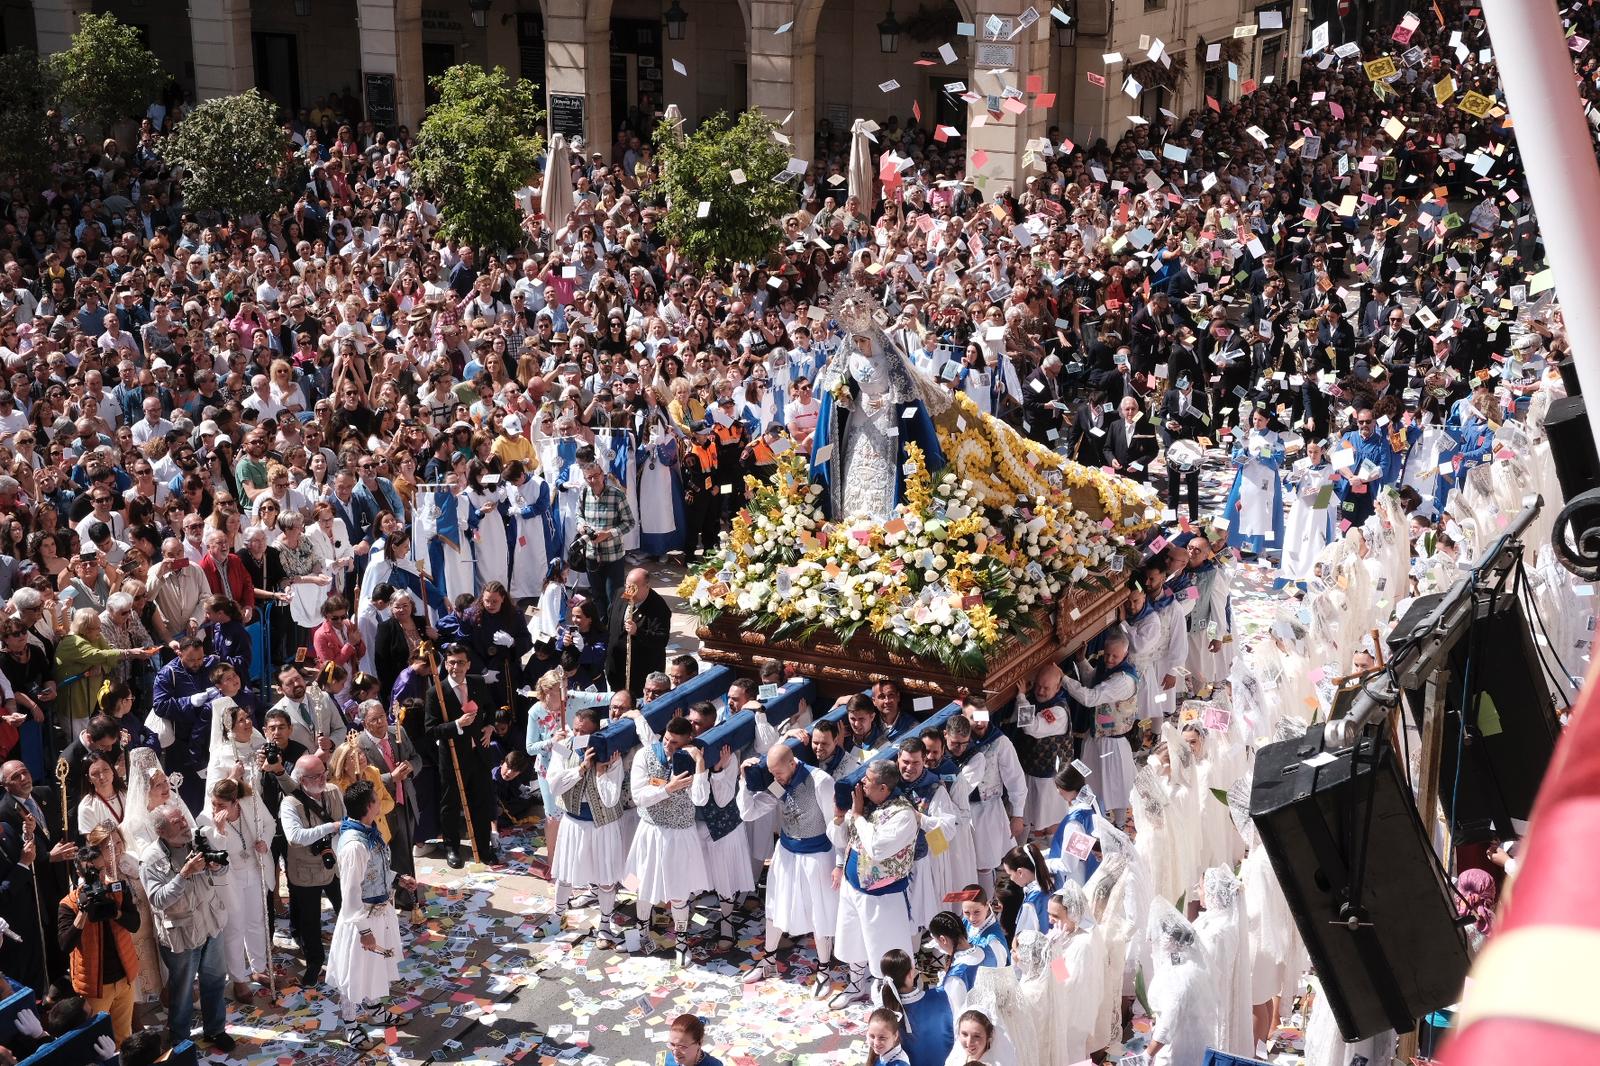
874	403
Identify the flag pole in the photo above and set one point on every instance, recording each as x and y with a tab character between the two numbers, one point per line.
1557	148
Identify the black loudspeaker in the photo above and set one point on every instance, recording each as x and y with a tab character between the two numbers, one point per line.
1488	782
1572	446
1368	896
1569	376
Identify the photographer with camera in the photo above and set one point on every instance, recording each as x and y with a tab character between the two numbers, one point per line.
310	817
96	923
180	875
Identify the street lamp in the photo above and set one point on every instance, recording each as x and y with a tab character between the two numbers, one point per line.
677	21
480	12
889	32
1066	32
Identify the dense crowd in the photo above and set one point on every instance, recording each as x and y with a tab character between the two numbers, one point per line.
325	542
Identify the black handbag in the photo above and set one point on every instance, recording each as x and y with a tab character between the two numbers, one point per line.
578	555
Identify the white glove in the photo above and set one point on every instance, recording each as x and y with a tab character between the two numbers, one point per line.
28	1024
200	699
105	1047
504	639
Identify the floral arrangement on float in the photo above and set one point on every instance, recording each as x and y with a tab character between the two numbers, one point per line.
917	520
949	577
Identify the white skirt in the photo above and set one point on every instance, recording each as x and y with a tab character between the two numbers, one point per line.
1045	807
991	832
587	854
1111	760
868	926
667	864
361	975
727	862
924	891
800	895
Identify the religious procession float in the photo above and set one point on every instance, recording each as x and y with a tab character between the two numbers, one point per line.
921	537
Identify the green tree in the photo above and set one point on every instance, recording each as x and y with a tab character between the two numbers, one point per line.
475	148
232	150
741	222
107	74
25	117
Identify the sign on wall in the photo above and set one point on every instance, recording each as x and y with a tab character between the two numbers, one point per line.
380	99
566	114
992	56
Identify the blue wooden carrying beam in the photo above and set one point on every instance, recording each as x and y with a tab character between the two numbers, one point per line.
74	1049
737	732
847	784
620	737
20	1000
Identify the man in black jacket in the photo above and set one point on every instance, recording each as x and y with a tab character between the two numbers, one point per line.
641	625
1130	442
450	717
1185	415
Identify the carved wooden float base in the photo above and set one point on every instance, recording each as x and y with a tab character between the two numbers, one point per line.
840	669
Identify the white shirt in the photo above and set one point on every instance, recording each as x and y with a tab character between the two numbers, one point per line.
144	430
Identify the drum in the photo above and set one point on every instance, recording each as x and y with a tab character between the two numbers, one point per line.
1185	455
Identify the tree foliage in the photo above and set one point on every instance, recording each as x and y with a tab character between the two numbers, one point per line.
25	117
107	73
232	149
741	224
475	148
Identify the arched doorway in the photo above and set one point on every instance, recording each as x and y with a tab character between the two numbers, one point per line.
860	78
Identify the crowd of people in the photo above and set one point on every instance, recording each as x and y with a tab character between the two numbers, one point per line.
326	543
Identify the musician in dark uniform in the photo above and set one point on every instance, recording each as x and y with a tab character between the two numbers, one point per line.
459	715
1185	416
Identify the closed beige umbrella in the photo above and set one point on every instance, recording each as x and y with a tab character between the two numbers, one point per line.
555	198
860	172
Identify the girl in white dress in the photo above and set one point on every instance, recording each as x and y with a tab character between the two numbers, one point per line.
226	826
489	521
1310	527
1221	929
363	960
1181	991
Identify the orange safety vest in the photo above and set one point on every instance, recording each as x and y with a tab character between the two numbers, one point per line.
84	964
707	456
762	452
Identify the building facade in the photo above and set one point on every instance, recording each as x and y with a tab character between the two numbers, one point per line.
1024	71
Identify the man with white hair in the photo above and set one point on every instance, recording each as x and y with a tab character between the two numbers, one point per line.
877	843
260	399
310	816
188	907
152	424
179	588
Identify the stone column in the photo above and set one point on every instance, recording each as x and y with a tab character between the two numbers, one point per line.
391	43
55	21
783	69
1000	143
224	61
577	42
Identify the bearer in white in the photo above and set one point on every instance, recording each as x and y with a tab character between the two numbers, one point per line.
878	850
801	897
666	857
363	959
997	811
589	849
721	829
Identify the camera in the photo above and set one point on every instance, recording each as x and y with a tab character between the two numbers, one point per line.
95	896
213	856
323	849
271	753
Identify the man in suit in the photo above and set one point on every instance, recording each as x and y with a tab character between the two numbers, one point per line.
454	724
1042	403
53	857
1088	440
1130	442
390	750
1185	415
641	625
